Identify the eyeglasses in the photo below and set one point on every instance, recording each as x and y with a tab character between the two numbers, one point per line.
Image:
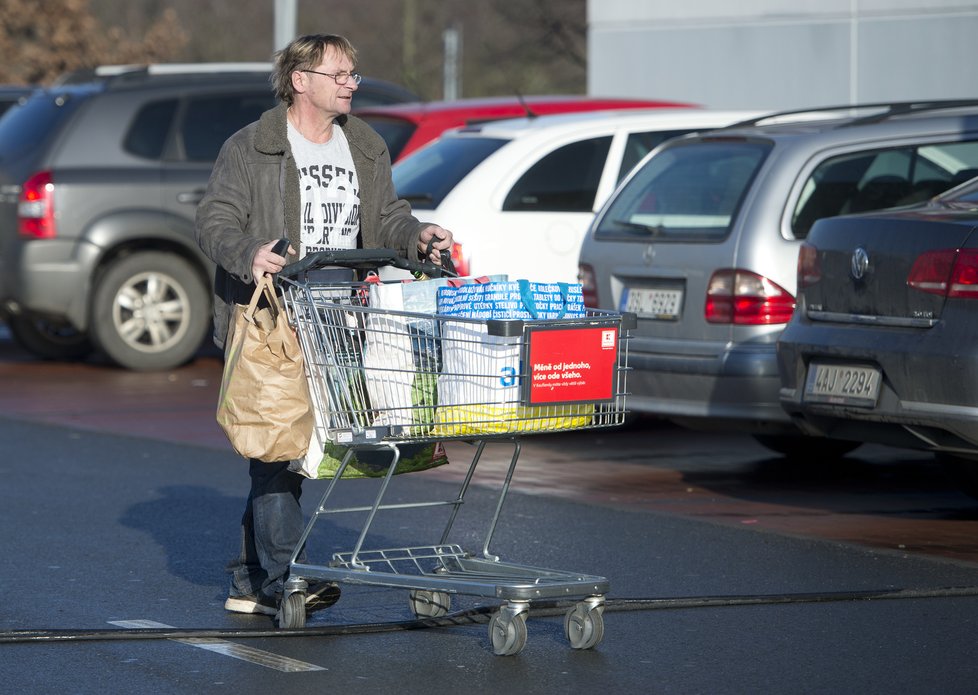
340	78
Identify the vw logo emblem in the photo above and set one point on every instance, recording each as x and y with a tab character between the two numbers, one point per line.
859	264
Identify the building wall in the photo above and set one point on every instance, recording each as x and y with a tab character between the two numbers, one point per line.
783	54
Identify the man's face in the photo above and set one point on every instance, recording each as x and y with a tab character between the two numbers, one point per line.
328	97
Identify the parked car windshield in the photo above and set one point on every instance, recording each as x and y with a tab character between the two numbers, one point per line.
23	129
428	175
691	190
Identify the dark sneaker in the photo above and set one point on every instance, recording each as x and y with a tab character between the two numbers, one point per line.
321	595
252	603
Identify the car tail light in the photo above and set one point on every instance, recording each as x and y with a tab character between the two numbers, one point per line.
589	284
746	298
947	272
35	209
459	260
809	268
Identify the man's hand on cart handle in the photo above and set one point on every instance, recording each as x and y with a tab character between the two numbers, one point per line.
439	238
271	257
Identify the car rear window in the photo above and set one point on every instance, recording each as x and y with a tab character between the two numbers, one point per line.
871	180
689	191
25	128
395	131
430	174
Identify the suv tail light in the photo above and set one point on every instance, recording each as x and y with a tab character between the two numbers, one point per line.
589	285
809	268
35	209
947	272
746	298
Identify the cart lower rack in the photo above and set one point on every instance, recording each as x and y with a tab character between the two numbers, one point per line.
386	384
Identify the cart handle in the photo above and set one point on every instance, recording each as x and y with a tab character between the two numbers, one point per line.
369	259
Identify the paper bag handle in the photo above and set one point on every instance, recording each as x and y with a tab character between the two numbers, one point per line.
266	288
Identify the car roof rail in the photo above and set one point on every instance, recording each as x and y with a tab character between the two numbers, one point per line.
136	71
885	110
181	68
905	107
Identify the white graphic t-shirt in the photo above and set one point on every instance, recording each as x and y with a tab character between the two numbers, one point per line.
330	192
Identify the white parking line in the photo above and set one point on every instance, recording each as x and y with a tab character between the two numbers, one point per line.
238	651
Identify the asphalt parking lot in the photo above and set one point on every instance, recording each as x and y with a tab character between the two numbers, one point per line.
725	577
108	532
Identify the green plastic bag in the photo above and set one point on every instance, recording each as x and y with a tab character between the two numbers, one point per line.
373	463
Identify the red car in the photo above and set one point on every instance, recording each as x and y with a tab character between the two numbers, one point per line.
408	126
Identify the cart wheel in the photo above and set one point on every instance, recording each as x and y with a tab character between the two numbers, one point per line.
507	633
292	613
430	604
584	625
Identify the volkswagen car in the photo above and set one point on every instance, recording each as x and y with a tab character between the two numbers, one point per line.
882	345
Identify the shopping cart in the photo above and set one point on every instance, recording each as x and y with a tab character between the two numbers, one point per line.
367	367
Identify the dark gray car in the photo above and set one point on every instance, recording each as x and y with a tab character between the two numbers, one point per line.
701	242
882	346
100	177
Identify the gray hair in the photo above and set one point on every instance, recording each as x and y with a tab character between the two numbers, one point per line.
305	53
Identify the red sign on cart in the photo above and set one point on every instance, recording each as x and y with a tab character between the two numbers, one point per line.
570	365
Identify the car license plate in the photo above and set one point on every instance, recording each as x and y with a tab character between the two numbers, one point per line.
843	384
652	303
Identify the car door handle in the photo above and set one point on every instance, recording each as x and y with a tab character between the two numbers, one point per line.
191	197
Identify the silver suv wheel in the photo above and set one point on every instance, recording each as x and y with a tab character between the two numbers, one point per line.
151	311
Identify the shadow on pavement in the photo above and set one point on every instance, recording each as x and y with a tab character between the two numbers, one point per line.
182	522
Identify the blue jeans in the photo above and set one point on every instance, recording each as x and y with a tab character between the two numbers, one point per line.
270	529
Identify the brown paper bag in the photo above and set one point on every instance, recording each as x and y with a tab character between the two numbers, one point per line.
264	405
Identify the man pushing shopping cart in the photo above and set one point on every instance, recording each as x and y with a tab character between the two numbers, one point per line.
311	172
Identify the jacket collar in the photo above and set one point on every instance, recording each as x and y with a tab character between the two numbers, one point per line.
272	135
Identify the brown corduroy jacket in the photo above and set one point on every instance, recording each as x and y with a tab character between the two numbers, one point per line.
253	198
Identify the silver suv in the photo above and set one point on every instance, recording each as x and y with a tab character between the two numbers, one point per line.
99	182
701	242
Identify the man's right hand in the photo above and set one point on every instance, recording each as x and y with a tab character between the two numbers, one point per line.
267	261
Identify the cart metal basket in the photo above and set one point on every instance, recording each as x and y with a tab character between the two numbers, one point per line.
383	379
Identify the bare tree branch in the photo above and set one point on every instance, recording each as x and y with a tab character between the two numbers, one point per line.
508	46
44	38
